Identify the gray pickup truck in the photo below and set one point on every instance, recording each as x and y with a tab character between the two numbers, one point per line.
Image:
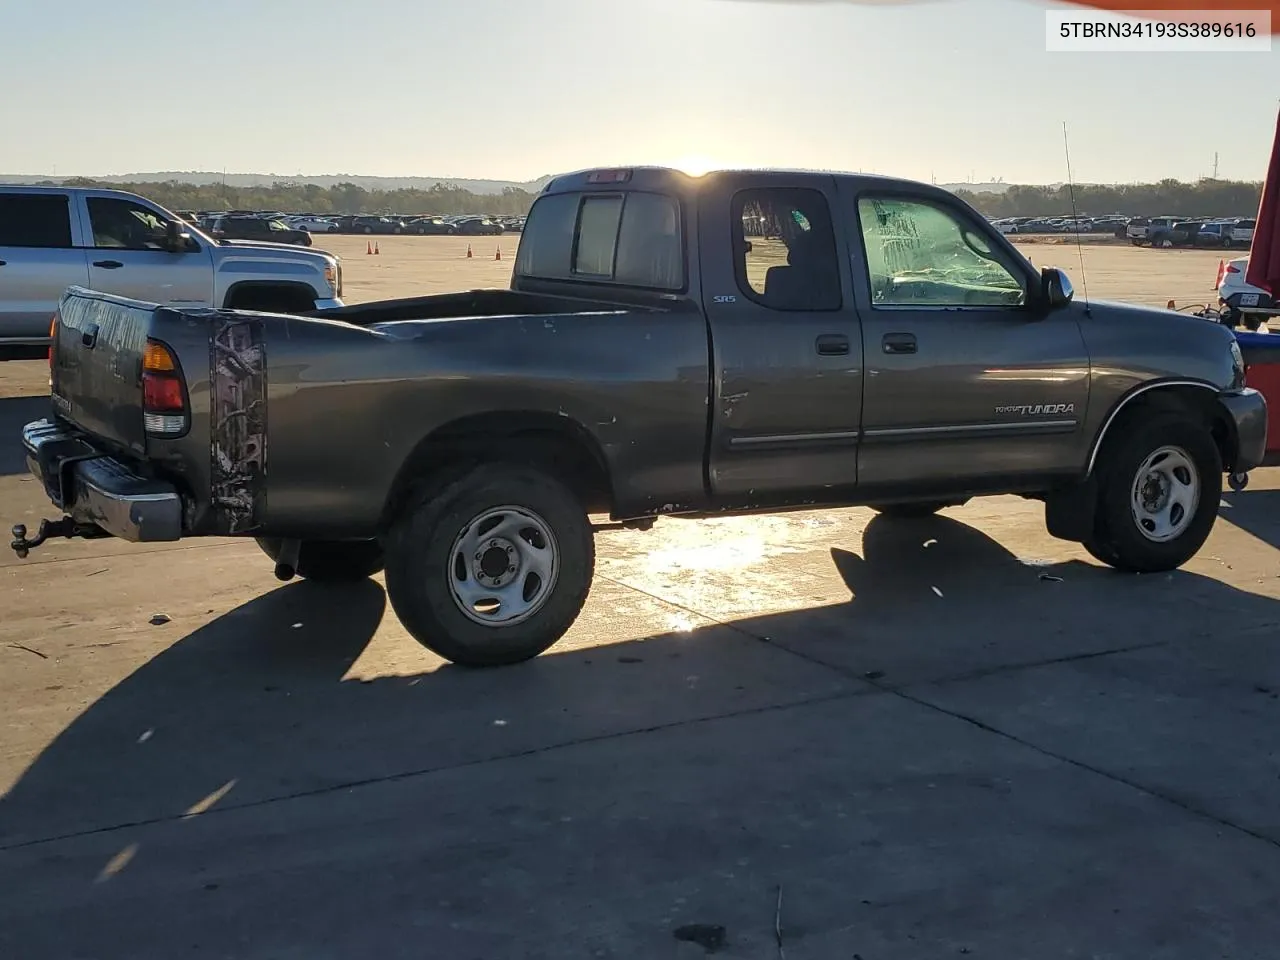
737	342
52	238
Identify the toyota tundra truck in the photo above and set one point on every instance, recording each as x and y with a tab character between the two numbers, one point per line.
52	238
669	345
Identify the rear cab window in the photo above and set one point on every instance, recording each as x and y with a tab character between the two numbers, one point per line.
35	220
632	238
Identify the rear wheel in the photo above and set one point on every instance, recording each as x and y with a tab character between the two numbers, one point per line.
331	561
1159	484
493	566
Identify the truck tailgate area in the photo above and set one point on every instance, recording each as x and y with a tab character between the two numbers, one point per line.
96	374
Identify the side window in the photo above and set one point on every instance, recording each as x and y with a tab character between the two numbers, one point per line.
924	255
125	225
277	225
35	220
785	249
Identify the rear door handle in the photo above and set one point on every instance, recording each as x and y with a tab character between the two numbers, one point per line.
4	263
832	345
108	264
899	343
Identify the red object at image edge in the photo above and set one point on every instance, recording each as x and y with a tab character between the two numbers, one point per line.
1165	7
1264	254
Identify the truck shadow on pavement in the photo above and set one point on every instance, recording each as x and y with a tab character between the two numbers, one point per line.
1256	512
250	709
16	413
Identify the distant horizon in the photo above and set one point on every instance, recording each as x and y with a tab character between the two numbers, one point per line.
150	176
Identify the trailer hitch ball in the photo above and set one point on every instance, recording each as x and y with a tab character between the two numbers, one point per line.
1238	481
66	527
19	542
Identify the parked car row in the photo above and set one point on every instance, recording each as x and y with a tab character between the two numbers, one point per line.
1113	224
248	224
1193	232
1226	232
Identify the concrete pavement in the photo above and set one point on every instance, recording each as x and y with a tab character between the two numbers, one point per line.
954	737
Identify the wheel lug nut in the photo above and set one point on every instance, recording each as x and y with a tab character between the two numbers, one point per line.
511	569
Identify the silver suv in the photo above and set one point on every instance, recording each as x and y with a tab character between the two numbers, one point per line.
52	238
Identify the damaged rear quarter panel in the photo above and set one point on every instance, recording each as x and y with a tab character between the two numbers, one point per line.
237	423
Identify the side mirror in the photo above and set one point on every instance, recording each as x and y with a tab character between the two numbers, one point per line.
1056	287
176	236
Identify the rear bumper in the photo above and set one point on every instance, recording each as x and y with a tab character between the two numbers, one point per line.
1248	411
94	488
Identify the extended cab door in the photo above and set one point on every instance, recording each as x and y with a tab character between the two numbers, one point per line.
38	261
129	254
970	379
786	356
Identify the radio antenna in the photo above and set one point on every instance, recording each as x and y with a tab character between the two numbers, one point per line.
1075	222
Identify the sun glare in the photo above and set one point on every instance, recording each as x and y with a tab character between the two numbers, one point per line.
695	165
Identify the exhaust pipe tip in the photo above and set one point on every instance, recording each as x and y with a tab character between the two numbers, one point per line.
287	559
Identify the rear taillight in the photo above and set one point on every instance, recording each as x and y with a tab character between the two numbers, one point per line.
1232	268
164	394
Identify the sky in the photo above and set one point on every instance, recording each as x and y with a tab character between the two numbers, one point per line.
516	89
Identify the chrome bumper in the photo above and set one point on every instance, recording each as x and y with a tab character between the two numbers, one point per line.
94	488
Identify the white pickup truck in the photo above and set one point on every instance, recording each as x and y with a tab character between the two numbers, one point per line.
52	238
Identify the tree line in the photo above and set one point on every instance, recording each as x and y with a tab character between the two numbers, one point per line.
1204	198
1213	198
288	196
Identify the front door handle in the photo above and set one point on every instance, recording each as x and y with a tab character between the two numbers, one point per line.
4	263
832	345
108	264
899	343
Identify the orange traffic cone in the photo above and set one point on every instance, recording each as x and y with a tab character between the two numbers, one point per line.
498	254
468	251
369	252
1222	272
1171	305
376	251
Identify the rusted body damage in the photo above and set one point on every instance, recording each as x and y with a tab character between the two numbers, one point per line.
238	424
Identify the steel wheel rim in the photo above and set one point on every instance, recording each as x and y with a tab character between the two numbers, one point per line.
503	566
1165	494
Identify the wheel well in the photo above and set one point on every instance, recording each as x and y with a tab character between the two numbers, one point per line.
557	444
271	296
1195	401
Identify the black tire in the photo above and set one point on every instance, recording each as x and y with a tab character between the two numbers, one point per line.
331	561
368	229
1118	541
420	565
910	511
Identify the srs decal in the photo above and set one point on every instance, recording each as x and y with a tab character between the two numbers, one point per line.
1037	409
238	423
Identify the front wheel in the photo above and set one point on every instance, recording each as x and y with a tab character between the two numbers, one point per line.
493	567
1160	482
331	561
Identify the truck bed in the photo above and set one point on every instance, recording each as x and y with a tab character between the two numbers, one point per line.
304	424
